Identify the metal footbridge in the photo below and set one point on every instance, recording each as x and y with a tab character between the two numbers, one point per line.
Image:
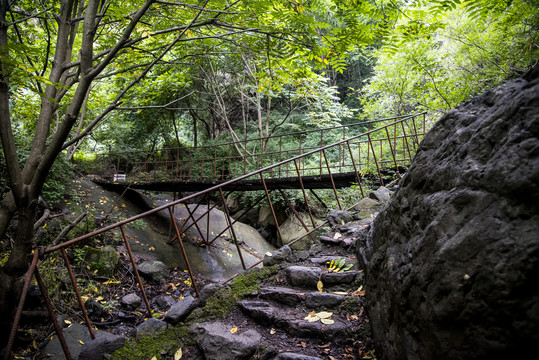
376	151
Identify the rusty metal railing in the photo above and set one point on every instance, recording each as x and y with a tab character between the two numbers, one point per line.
230	160
389	145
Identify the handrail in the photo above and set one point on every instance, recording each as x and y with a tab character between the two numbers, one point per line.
214	188
341	145
213	162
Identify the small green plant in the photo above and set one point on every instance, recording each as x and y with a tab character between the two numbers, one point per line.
138	224
339	265
79	255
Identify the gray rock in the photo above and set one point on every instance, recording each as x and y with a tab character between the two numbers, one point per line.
267	314
165	302
345	277
382	194
154	271
294	356
283	295
179	311
131	301
247	217
366	205
293	229
323	300
102	261
150	328
304	328
278	256
208	291
265	216
104	344
75	335
330	240
324	260
94	308
303	276
261	311
218	343
451	263
339	217
81	346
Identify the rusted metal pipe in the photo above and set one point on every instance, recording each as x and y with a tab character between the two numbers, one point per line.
355	169
293	208
135	270
227	217
304	195
375	160
77	292
332	181
22	299
50	309
271	207
178	234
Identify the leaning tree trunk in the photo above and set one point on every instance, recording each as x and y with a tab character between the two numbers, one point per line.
12	273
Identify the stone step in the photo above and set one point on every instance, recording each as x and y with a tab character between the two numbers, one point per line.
308	277
293	321
293	297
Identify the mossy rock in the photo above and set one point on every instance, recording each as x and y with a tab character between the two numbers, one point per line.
223	301
162	345
102	261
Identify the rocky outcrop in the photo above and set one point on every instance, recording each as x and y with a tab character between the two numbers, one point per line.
452	262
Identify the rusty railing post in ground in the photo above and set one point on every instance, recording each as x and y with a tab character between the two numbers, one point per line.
271	206
178	234
405	138
375	160
135	270
355	169
50	309
332	181
238	219
227	217
22	299
392	152
304	195
77	292
195	222
308	232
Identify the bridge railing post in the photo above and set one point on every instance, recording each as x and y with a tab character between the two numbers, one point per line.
231	226
184	254
50	309
271	206
358	177
304	194
135	271
77	293
22	299
332	181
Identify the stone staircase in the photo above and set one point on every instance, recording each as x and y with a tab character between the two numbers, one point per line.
310	309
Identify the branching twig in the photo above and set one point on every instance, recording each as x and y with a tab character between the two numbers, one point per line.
68	228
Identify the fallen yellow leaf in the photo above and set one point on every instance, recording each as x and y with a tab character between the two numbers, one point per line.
234	330
178	354
320	285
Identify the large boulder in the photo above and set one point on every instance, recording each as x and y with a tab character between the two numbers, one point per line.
451	264
293	228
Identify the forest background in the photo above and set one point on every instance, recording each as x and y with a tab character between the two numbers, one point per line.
84	77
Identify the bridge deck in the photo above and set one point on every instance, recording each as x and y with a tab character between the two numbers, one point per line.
309	182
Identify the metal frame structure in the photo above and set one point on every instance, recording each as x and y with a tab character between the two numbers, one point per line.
369	147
